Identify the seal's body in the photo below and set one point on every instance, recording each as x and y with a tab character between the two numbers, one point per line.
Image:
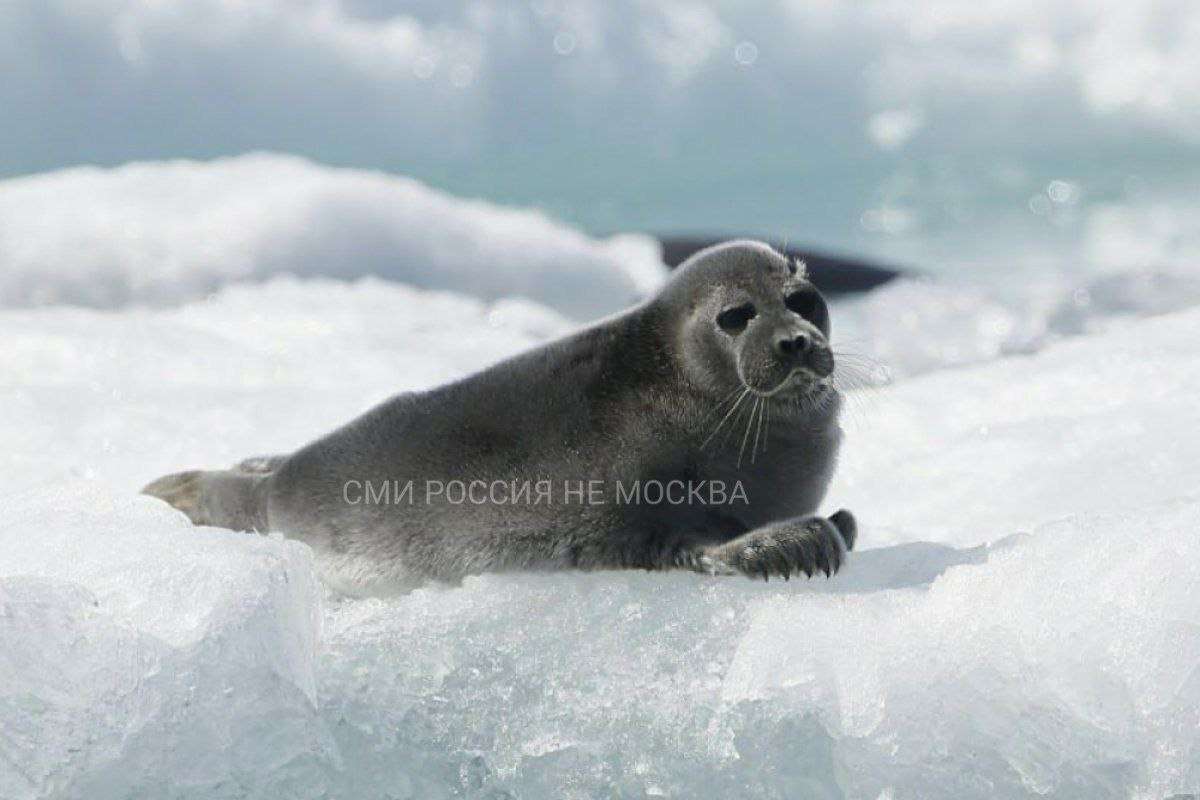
695	431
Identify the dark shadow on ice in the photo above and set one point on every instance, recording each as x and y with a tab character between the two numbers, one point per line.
898	567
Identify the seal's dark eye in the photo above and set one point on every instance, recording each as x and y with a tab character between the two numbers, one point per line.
734	320
809	304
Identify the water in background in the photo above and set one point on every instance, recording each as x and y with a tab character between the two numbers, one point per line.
991	139
1037	161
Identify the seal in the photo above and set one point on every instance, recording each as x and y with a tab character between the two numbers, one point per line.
697	431
834	275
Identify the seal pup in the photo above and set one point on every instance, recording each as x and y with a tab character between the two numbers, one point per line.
583	453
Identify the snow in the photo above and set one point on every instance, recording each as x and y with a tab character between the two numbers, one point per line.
168	231
1021	622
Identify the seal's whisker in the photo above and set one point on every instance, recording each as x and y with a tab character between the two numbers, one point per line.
841	342
758	433
858	361
859	372
767	432
870	367
848	380
728	414
749	424
716	409
858	404
732	429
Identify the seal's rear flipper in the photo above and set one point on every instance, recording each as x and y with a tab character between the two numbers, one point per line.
181	490
223	498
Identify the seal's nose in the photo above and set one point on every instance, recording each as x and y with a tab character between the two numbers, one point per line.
794	346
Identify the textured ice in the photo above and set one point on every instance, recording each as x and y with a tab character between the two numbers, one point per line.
914	325
161	233
1022	622
157	232
137	664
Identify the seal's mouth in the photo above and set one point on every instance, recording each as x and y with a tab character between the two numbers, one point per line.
800	382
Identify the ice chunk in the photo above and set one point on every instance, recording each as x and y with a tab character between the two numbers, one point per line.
1022	621
1092	424
1064	666
912	326
159	232
139	653
135	395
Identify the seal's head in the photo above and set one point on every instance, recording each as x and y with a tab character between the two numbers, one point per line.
746	316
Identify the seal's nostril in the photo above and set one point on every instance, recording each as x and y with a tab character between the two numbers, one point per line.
795	346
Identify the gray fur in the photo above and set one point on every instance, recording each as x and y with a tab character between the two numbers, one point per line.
659	392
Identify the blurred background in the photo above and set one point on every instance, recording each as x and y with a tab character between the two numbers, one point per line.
1024	149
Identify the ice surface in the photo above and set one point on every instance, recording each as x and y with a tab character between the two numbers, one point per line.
158	232
138	658
1092	424
122	398
1024	626
914	325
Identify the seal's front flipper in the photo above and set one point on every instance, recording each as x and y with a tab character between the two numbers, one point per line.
847	526
808	545
224	498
